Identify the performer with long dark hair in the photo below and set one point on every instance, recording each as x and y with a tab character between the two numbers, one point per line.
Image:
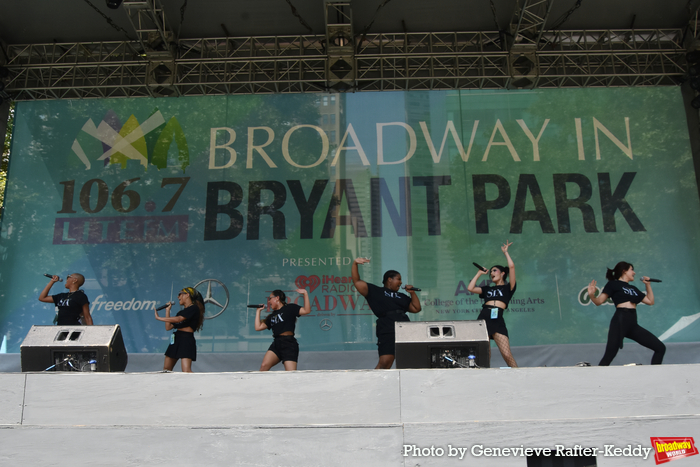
496	301
189	320
72	306
624	321
282	322
389	306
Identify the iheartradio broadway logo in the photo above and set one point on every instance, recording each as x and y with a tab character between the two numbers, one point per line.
311	282
668	449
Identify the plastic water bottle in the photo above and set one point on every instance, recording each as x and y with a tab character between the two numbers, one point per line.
472	359
93	365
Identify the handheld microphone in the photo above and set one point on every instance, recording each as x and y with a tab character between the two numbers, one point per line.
256	306
654	280
164	306
415	289
480	267
51	277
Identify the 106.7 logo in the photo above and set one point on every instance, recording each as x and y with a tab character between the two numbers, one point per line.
118	147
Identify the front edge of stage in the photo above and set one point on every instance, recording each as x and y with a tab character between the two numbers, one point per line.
341	418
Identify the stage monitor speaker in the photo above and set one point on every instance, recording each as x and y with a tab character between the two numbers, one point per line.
442	344
73	348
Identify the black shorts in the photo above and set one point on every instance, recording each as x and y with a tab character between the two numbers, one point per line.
386	343
286	348
185	346
497	325
386	332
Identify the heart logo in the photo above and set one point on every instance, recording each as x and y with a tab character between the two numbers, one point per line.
311	282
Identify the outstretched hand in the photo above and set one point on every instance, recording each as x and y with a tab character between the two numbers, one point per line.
592	288
361	260
504	247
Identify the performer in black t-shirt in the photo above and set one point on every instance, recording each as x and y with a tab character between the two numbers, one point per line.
189	320
389	306
624	321
496	301
282	322
72	305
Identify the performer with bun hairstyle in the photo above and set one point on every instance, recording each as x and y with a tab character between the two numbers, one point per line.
189	320
389	306
624	321
282	322
496	301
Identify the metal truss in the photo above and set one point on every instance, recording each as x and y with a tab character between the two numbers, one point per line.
292	64
528	21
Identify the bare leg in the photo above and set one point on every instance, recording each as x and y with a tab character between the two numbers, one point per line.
186	364
169	363
269	360
289	365
385	362
504	346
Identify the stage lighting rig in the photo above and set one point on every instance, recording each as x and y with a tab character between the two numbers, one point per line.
340	46
114	4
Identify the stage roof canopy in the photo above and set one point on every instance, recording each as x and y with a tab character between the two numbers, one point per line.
42	21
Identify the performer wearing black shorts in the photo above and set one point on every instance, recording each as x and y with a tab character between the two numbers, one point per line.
496	301
72	306
624	321
389	306
189	320
282	322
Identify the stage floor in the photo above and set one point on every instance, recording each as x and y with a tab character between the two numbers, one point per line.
345	417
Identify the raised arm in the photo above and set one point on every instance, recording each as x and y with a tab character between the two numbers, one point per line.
360	285
44	295
260	325
511	265
600	299
649	299
472	284
306	309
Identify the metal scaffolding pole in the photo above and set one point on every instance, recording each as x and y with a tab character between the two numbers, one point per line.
293	64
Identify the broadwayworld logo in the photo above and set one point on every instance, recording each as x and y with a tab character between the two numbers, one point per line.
668	449
121	143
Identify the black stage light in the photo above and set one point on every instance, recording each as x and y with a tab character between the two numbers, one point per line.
695	83
693	56
113	4
695	103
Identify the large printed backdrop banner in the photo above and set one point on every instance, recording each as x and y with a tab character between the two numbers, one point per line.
241	195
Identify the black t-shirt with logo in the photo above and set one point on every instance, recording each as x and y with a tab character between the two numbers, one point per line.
621	292
191	315
502	293
385	302
70	307
388	306
283	320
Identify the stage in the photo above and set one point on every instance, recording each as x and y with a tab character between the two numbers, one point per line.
345	417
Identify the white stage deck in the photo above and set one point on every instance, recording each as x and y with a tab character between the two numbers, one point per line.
341	418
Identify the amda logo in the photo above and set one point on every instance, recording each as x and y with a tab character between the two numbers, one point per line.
117	143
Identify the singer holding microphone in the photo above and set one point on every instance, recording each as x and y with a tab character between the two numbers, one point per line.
496	300
189	320
72	305
624	321
389	306
282	322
